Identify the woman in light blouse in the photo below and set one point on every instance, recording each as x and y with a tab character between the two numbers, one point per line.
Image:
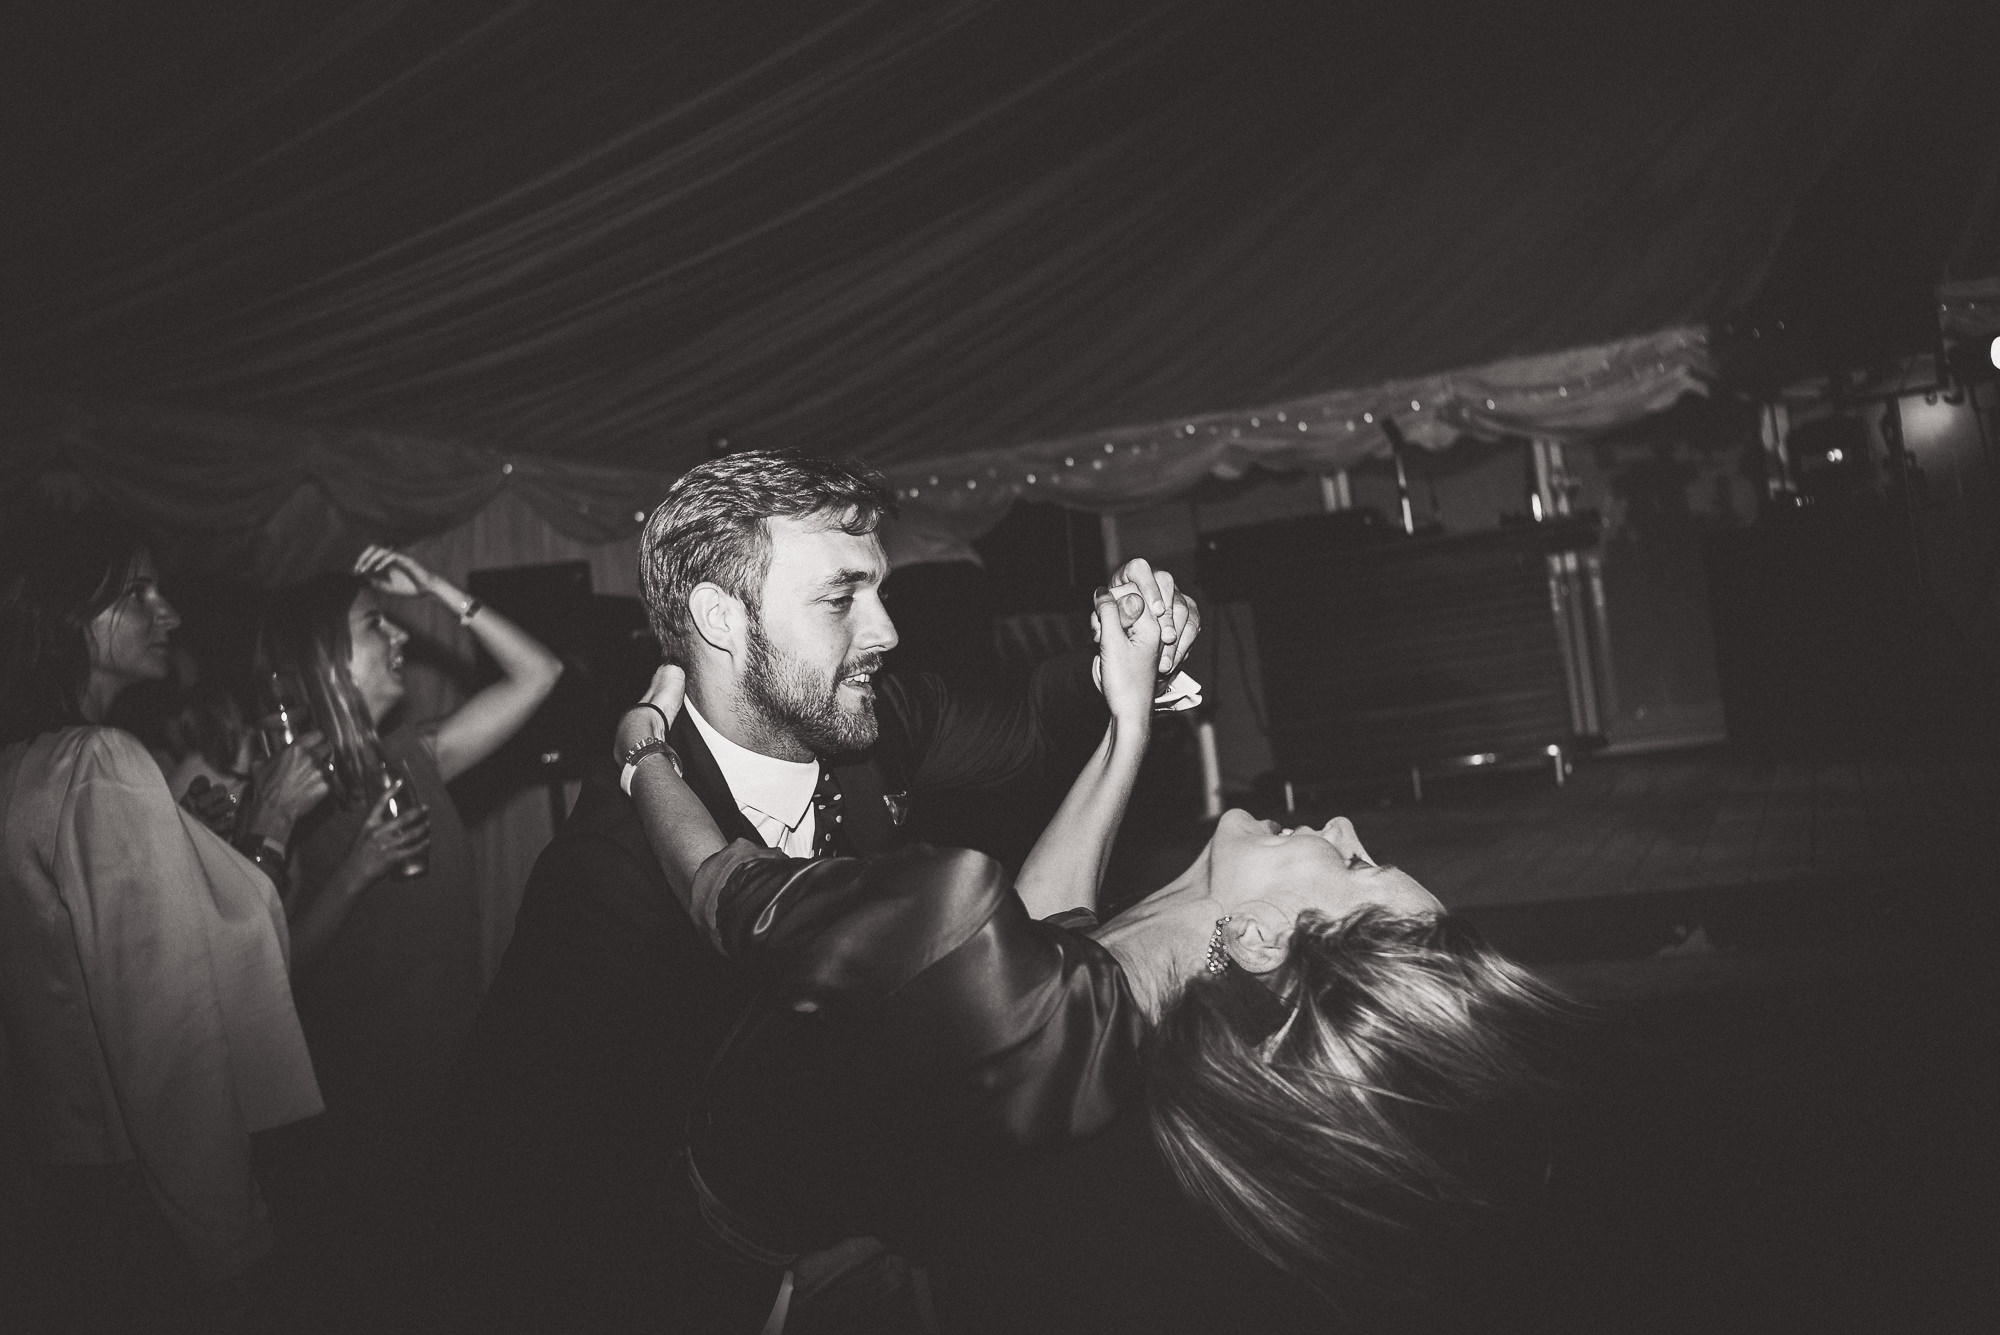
143	959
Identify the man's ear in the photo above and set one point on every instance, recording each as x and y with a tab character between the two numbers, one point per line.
720	619
1258	935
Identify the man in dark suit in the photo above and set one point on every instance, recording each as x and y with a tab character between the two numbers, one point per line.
762	575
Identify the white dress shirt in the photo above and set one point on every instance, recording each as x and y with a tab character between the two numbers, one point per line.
774	795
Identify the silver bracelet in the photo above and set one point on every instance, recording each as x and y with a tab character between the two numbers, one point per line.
651	746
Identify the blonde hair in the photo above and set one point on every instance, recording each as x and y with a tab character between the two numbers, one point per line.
1364	1145
305	631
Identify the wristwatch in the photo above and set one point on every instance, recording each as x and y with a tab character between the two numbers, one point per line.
629	762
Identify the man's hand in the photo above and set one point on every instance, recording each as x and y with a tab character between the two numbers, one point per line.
1179	618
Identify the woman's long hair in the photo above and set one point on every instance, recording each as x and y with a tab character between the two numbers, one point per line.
57	572
1363	1145
305	632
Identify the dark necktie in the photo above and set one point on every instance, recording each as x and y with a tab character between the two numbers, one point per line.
826	812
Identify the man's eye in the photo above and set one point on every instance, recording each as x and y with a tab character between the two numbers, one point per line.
841	603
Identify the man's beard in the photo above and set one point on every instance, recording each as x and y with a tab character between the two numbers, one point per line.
797	699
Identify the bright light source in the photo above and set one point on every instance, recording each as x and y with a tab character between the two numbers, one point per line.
1554	750
1993	351
1835	455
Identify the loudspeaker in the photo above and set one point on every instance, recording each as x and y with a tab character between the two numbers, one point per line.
608	653
1383	654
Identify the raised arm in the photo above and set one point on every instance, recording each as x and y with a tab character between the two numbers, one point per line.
528	671
1066	867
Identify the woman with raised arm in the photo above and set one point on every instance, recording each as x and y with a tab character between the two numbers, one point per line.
1329	1064
386	915
143	985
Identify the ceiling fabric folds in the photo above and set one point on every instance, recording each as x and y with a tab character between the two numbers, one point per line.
396	256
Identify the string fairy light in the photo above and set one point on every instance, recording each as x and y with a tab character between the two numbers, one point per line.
1450	403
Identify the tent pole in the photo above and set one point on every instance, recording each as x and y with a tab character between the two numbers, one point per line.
1107	529
1335	492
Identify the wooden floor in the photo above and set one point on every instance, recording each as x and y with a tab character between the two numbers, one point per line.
1677	821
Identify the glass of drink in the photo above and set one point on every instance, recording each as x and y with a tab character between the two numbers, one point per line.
282	712
394	779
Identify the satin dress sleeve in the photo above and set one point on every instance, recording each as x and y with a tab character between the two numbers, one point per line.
909	1014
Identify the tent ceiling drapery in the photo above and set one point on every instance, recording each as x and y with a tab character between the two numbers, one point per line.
1571	393
380	253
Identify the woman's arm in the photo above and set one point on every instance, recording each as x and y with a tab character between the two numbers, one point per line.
678	827
528	672
1066	866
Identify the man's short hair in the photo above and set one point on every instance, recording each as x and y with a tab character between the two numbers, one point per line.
710	528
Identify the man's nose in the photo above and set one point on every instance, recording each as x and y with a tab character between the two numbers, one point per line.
879	634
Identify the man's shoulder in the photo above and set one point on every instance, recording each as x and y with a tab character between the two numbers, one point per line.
598	856
601	809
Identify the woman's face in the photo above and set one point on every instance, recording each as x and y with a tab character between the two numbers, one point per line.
128	639
375	655
1256	863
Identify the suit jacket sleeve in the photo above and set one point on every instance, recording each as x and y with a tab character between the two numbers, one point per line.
952	738
933	977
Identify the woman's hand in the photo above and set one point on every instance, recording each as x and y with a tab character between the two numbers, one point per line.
1180	619
384	841
393	572
1128	642
318	911
664	695
286	787
211	804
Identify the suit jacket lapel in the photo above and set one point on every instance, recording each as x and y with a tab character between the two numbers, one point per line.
868	826
703	775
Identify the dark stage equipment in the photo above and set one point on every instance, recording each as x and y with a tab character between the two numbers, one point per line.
608	654
1819	630
1387	656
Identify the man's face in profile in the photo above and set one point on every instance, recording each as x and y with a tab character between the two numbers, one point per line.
818	634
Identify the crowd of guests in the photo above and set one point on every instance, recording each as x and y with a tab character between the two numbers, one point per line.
754	1059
